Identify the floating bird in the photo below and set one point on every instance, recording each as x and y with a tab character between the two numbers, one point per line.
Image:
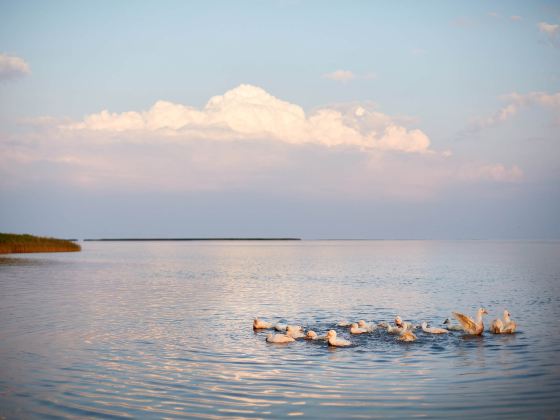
496	326
368	327
279	338
506	327
336	342
407	335
402	324
469	326
451	327
312	335
343	323
261	325
433	330
510	325
395	330
294	331
284	327
354	329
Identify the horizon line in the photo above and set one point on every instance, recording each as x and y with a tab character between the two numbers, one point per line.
156	239
193	239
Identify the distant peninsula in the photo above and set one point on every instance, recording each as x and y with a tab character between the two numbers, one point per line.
194	239
17	244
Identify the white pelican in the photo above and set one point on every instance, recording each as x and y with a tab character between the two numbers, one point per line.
261	325
433	330
407	335
294	331
354	329
510	325
506	327
469	326
312	335
336	342
402	324
279	338
395	330
451	327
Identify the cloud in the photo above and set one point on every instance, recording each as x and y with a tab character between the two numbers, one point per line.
12	67
496	15
551	31
250	113
345	76
47	159
548	28
539	98
340	75
515	102
492	172
244	140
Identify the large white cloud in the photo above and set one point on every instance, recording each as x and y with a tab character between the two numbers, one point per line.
243	140
249	112
12	67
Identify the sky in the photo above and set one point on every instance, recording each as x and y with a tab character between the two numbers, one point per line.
313	119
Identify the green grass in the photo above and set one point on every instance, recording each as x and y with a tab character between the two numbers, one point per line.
14	244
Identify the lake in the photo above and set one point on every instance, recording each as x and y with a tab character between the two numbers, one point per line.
164	329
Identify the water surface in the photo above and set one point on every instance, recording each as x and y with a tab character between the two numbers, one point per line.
163	329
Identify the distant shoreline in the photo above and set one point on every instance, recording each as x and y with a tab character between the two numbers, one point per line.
187	239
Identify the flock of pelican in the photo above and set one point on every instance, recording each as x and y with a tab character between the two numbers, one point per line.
402	329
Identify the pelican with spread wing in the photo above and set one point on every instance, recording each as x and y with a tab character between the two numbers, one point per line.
469	326
508	326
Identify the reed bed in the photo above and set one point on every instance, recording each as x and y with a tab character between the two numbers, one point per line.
15	244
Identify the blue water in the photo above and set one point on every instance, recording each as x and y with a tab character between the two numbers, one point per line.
164	329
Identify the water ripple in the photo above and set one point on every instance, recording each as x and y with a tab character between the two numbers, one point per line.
164	330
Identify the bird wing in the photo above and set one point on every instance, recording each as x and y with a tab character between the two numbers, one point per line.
466	322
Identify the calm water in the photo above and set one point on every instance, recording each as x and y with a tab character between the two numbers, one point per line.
164	330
